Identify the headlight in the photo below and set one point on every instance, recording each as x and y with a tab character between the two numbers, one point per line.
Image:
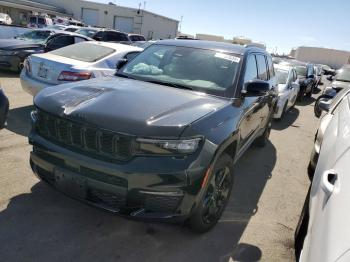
167	147
8	52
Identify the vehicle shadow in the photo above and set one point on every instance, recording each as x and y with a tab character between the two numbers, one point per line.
287	120
8	74
306	101
45	225
18	120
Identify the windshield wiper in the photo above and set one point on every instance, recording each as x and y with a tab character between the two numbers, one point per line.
169	84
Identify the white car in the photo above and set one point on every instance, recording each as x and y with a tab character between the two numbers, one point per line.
77	62
326	215
5	19
288	89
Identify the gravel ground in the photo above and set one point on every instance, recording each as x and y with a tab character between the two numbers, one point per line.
37	223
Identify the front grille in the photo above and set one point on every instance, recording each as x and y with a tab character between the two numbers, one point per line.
78	137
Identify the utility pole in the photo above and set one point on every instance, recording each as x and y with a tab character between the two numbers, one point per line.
180	26
144	5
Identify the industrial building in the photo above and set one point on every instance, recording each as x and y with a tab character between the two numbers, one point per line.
126	19
318	55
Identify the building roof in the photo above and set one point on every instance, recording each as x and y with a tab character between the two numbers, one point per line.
218	46
34	6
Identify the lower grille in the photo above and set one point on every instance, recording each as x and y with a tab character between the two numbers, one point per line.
166	204
114	201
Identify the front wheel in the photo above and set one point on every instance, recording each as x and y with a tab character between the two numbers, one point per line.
215	196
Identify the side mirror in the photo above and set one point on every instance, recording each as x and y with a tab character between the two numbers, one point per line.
322	105
311	76
121	63
256	88
330	78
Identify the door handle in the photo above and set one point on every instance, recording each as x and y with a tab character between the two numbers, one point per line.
329	178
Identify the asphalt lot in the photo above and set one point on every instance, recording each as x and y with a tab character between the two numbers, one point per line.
37	223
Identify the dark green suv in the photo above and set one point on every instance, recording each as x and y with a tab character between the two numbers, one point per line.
158	140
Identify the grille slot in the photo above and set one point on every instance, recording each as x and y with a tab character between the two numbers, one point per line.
78	137
111	200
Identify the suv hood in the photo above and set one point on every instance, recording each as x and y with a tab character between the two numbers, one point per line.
128	106
12	44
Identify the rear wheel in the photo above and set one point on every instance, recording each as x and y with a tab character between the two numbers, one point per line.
215	197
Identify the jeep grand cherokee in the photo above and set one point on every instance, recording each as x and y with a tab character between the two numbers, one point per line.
158	140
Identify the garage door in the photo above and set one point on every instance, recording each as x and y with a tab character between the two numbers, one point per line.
124	24
90	16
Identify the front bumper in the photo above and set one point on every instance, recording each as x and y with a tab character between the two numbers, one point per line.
31	85
10	62
145	187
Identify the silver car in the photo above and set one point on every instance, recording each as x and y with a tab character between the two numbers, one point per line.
77	62
288	89
323	232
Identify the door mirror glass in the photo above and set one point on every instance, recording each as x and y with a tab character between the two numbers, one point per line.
256	87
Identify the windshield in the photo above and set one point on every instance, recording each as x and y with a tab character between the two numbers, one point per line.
301	70
84	51
282	76
198	69
343	75
37	36
87	32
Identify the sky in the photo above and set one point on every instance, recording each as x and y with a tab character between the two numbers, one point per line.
281	25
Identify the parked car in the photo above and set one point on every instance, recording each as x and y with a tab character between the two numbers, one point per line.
328	70
5	19
4	108
39	21
13	52
136	37
158	140
72	28
325	213
77	62
143	44
340	81
328	106
318	75
105	35
307	80
288	89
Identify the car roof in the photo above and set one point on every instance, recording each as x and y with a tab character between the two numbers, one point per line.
212	45
119	47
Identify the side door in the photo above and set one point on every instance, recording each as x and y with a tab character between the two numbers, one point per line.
59	42
294	87
250	103
265	102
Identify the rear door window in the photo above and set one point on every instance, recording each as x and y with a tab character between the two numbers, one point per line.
262	69
60	41
116	37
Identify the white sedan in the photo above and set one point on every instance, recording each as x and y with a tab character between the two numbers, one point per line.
77	62
288	89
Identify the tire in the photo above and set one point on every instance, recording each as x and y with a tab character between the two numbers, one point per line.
215	197
309	94
262	140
